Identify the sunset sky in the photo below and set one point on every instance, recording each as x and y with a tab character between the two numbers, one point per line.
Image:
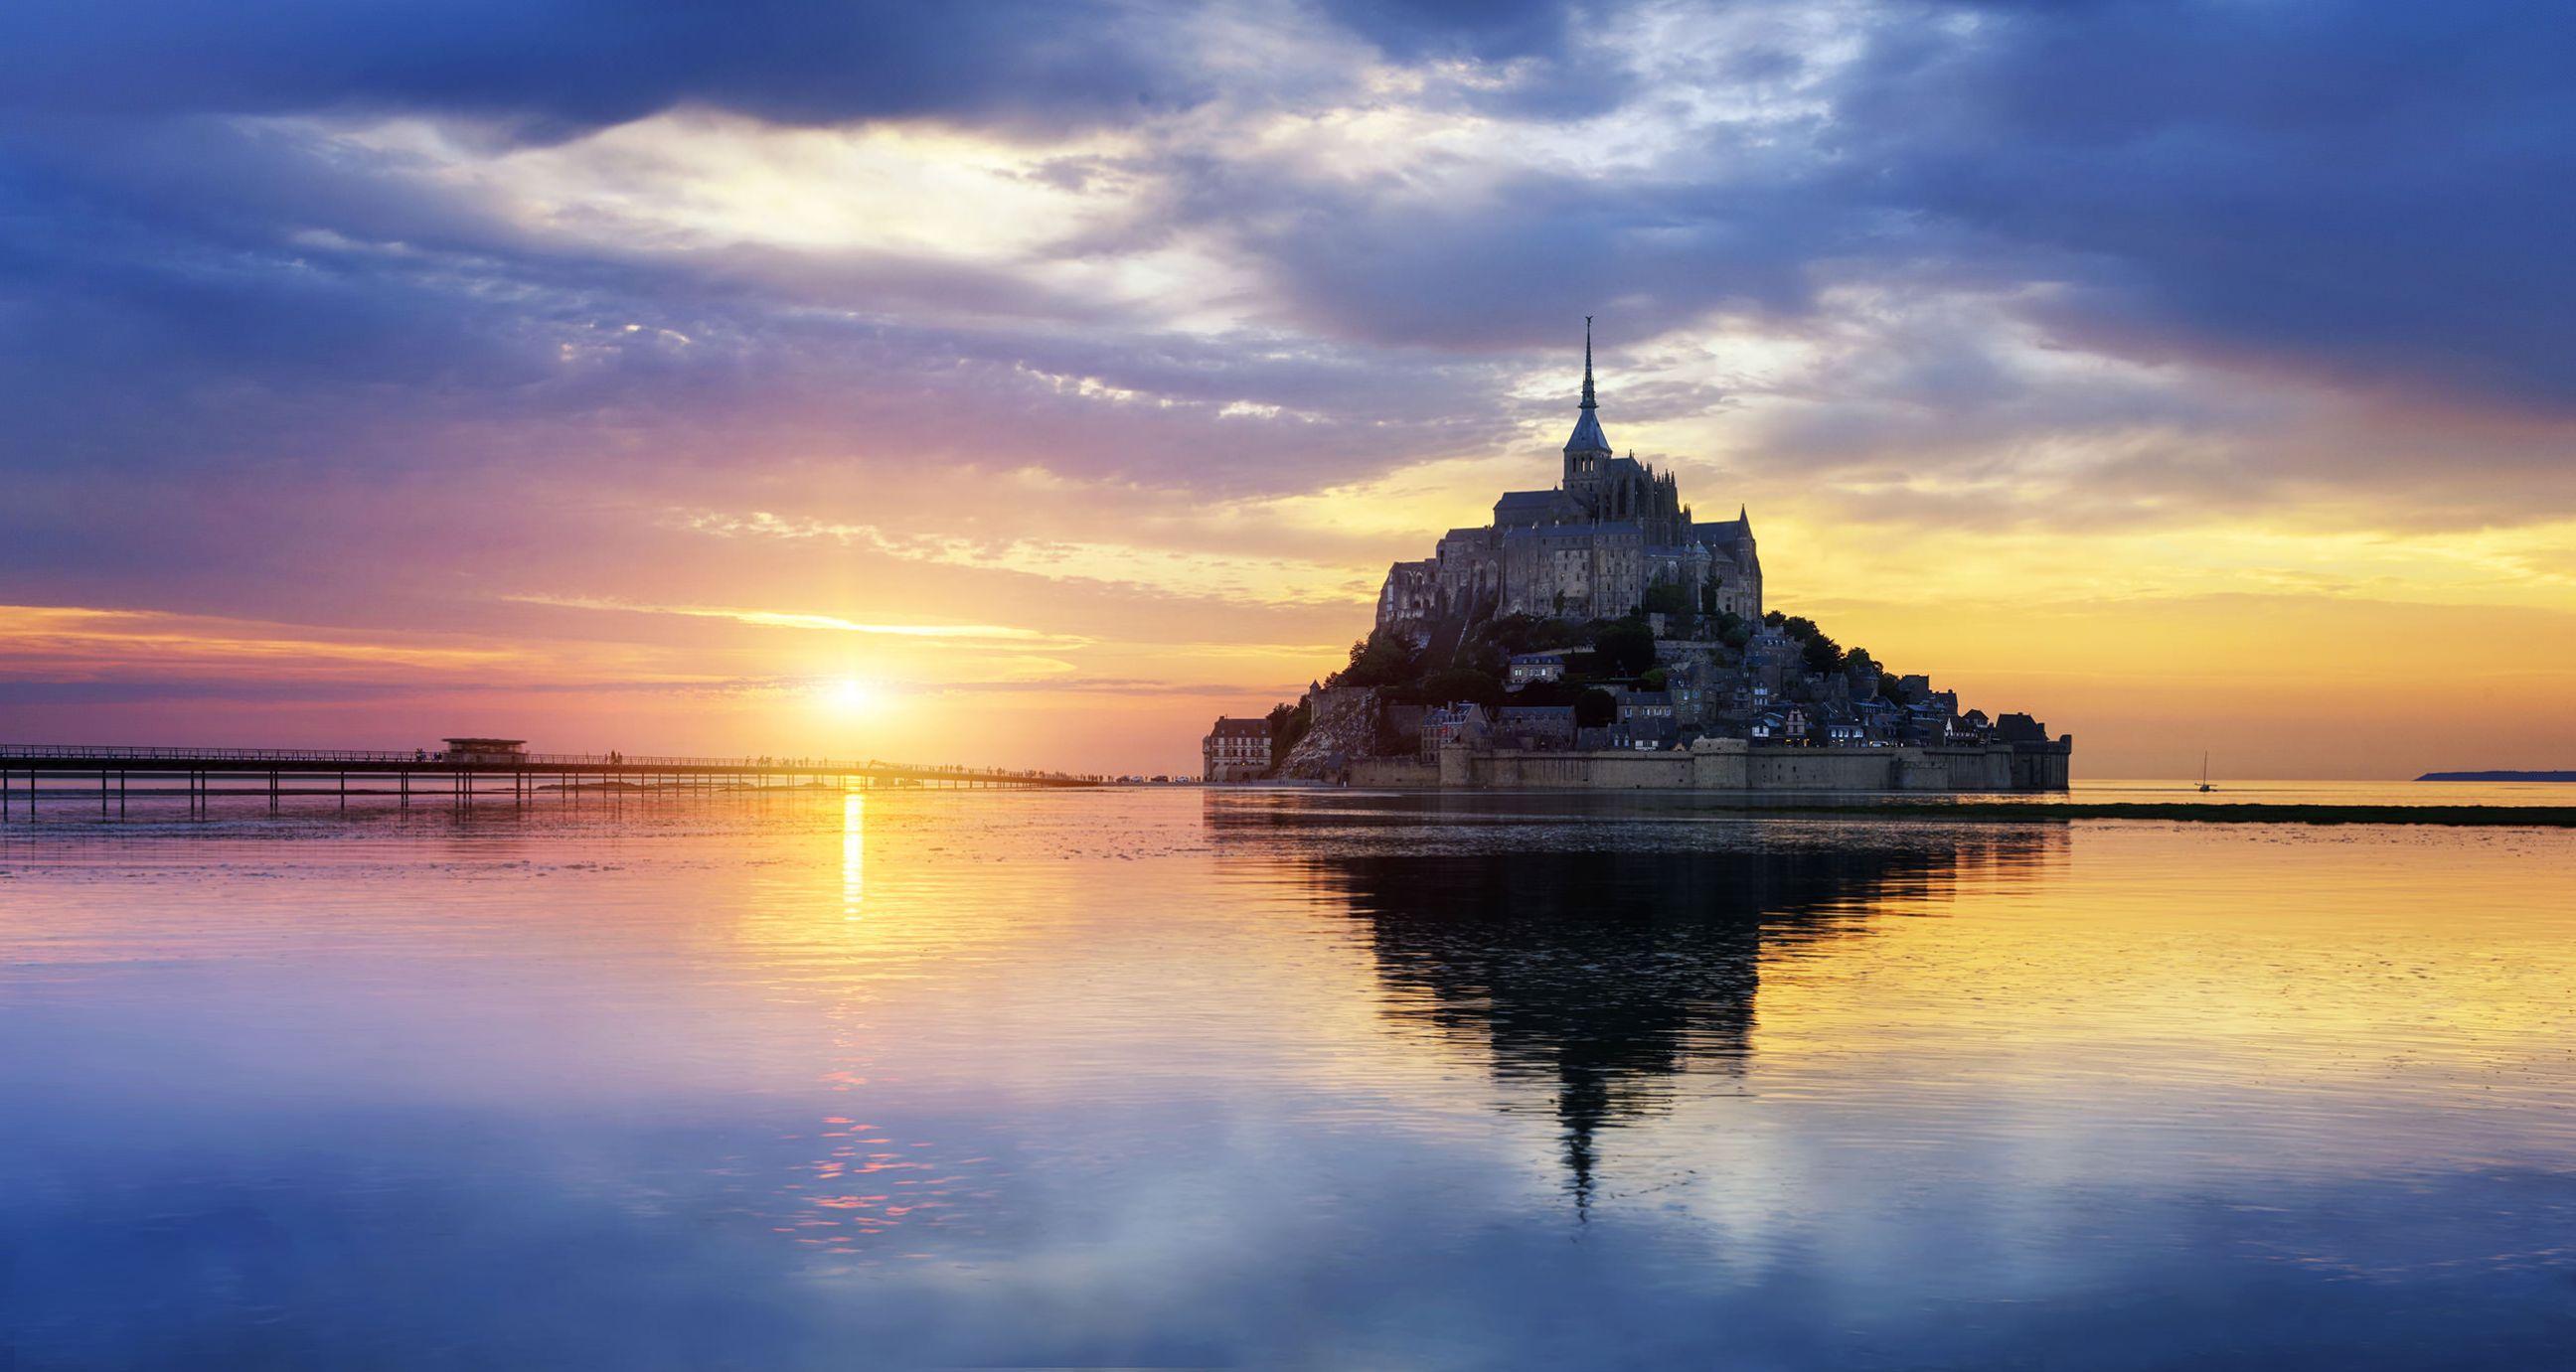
1028	383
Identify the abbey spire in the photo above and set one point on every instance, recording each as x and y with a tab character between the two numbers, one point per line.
1587	441
1587	364
1591	547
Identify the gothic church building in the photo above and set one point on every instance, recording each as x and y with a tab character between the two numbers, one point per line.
1586	549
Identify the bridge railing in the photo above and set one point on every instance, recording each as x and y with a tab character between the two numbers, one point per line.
52	752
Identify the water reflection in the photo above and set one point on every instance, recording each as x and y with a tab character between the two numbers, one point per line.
1161	1079
854	853
1608	974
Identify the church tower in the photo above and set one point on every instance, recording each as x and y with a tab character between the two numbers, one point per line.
1587	452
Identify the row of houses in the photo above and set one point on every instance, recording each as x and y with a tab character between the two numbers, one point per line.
1759	701
1769	696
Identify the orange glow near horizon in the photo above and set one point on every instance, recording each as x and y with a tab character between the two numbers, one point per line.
1091	627
2275	678
1059	437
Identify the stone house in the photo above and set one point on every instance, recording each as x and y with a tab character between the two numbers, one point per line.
1236	750
1443	725
1535	728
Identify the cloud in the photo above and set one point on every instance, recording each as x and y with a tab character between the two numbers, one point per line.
1125	312
1415	29
1368	273
2366	192
88	640
556	67
792	619
1228	579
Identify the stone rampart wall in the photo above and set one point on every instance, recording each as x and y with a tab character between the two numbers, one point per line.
1401	772
1734	765
2043	766
1955	769
1596	771
1824	769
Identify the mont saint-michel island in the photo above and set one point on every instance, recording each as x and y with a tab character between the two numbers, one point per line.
1597	634
610	613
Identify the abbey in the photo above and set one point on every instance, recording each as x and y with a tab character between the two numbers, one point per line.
1588	548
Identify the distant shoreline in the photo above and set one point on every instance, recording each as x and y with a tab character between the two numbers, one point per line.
2498	776
2476	816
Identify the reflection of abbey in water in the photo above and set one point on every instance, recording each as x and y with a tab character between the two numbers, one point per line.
1611	974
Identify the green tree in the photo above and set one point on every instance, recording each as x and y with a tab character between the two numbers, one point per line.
1822	654
1798	627
1668	597
1288	723
1555	633
1626	648
1384	658
1494	642
1455	684
1595	709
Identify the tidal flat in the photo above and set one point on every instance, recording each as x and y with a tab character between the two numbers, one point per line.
1282	1079
2188	812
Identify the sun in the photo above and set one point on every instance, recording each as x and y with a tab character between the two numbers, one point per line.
849	696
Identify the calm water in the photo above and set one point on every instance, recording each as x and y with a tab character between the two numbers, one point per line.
2235	791
1331	1081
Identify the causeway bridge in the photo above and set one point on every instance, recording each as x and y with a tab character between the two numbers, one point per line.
34	775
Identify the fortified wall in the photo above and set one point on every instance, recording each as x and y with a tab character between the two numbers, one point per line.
1734	764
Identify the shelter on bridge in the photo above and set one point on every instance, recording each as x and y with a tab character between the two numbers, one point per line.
486	751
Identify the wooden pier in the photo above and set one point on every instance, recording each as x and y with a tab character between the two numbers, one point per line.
36	778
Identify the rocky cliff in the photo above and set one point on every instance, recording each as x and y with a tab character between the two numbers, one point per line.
1329	748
